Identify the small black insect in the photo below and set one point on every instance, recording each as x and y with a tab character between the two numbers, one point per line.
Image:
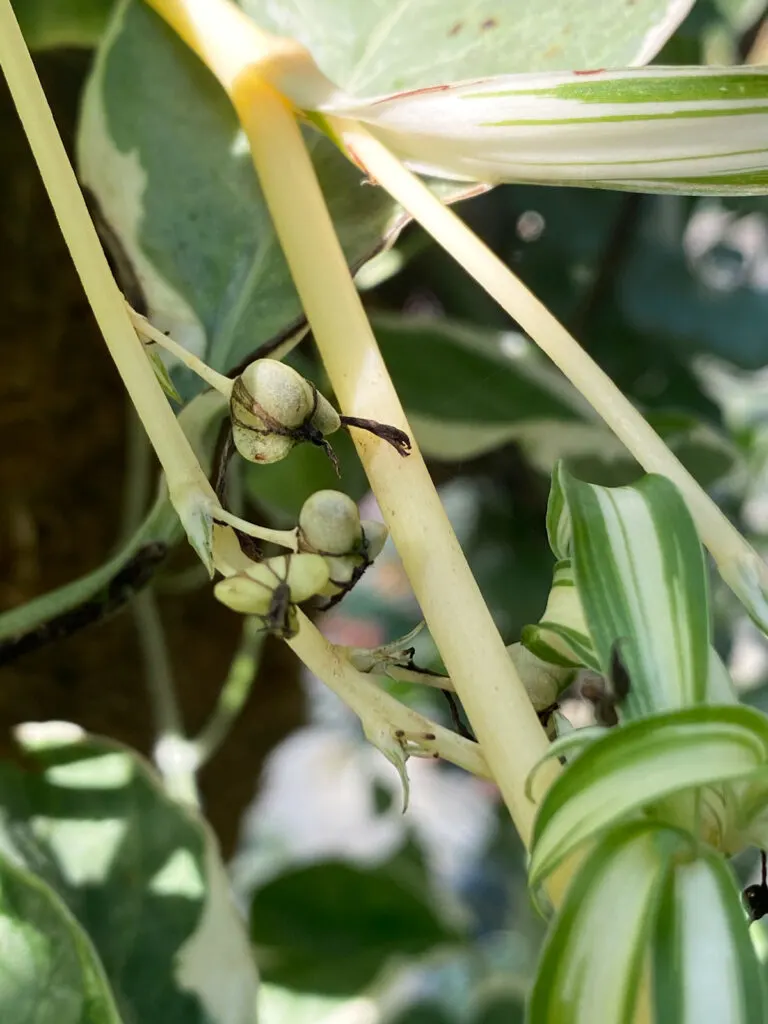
280	617
756	896
607	698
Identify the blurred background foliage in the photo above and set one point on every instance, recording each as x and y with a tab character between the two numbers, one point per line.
358	914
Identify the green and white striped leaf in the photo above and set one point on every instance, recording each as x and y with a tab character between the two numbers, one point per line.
592	963
558	517
642	762
639	568
689	130
49	971
704	965
561	636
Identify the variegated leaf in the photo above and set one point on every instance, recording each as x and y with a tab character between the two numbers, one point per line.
639	568
558	516
704	964
688	130
643	762
592	963
561	636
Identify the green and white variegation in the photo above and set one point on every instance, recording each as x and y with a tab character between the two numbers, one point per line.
688	130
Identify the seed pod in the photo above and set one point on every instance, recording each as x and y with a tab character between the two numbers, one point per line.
329	523
269	402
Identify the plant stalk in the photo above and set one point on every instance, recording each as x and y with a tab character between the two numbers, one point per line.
459	621
378	711
723	540
173	450
490	689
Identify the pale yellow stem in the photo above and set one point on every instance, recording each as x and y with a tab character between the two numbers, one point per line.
728	547
490	689
378	710
285	538
176	456
473	652
216	380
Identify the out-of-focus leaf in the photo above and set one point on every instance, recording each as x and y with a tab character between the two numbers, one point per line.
423	1013
591	965
162	152
191	218
141	875
639	763
384	48
704	964
332	926
281	488
695	276
500	1008
50	973
50	23
639	570
468	391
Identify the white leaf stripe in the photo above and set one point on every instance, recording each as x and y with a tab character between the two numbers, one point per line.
669	128
642	762
704	964
592	960
641	577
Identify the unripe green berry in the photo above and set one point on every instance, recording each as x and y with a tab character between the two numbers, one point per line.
375	534
243	595
329	522
325	419
256	589
342	570
269	400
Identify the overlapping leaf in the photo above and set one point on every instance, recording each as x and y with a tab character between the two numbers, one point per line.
139	873
592	962
704	964
643	761
171	175
686	130
639	569
49	973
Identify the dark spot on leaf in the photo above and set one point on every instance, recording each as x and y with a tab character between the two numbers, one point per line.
489	23
455	29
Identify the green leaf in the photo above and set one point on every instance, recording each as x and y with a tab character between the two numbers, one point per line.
163	377
423	42
639	763
331	927
468	391
639	569
704	964
164	158
592	961
47	24
163	154
141	874
50	973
